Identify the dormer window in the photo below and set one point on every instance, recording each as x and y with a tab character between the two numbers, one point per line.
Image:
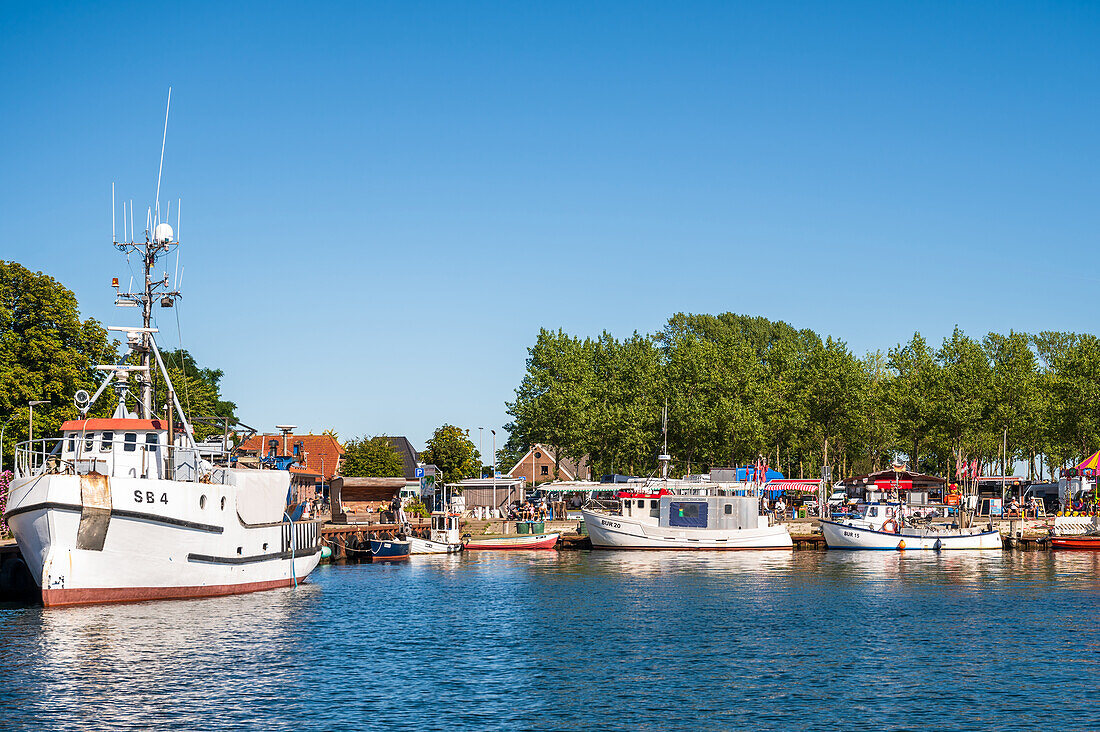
106	441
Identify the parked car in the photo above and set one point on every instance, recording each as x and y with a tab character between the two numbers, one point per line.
838	498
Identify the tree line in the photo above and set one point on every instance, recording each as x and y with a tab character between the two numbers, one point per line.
739	388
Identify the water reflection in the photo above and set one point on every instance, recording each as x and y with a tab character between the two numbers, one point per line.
569	640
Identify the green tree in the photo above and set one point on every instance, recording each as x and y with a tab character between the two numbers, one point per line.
372	457
552	403
47	352
913	392
961	411
1015	394
451	450
198	390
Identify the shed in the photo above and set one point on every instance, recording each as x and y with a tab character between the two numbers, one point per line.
489	492
353	498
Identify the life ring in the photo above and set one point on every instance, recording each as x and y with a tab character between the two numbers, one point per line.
892	524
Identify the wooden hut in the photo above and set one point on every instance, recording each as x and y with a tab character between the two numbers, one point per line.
359	500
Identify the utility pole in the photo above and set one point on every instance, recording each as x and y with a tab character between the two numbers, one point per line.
30	420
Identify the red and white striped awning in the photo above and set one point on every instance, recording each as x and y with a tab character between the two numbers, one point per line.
793	484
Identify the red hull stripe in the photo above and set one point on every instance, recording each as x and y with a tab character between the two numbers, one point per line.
1075	543
103	595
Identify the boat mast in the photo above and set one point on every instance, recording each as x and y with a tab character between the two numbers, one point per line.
664	458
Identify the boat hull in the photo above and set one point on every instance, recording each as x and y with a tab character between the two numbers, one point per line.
610	531
389	550
426	546
846	536
1080	543
82	549
529	541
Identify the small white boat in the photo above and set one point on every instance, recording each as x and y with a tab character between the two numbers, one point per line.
444	536
880	526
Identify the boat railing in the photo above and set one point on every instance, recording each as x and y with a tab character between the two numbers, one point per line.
121	459
603	504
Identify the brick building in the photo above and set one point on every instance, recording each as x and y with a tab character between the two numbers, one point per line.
318	456
537	466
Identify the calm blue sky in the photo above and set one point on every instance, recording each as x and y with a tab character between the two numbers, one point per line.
382	203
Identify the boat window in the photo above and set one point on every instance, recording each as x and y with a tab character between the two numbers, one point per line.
872	511
72	442
151	440
107	441
729	509
130	441
655	504
89	441
685	513
641	503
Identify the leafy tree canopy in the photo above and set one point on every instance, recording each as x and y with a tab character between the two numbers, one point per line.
47	352
372	457
451	450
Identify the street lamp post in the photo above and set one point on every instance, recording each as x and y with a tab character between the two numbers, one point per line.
494	468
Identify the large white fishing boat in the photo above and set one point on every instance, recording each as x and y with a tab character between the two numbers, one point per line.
663	513
882	526
131	508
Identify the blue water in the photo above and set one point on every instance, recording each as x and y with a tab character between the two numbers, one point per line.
585	640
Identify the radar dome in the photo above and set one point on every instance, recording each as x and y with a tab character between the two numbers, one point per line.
163	232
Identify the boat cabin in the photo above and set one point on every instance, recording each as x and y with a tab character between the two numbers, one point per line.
445	527
676	511
125	448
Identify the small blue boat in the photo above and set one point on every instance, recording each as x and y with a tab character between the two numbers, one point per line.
389	550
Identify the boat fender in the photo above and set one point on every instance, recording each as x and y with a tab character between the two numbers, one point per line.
893	526
901	545
938	545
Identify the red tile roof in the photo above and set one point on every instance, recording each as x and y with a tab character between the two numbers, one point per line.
320	451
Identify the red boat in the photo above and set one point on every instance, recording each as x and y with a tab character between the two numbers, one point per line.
1084	541
520	541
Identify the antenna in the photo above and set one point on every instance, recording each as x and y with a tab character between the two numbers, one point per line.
123	221
114	239
131	219
163	139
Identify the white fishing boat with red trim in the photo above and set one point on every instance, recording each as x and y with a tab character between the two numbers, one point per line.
663	513
884	526
131	507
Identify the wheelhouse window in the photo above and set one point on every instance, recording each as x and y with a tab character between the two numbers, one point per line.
107	441
729	509
151	440
71	443
89	442
129	442
641	503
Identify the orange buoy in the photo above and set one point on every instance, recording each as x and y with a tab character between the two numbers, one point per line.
901	545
